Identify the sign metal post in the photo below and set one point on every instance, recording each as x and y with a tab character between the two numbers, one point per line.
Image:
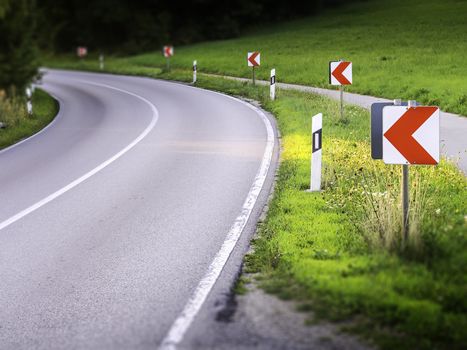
254	59
340	73
168	51
341	93
341	90
405	193
406	134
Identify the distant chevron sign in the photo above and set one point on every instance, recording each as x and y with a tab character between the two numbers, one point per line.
254	59
340	73
168	51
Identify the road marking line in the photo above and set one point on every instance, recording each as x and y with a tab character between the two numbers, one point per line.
196	301
155	117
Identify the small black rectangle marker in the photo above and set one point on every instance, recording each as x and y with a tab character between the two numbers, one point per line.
317	140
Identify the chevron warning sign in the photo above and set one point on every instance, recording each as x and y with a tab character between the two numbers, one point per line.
340	73
168	51
411	135
81	51
254	59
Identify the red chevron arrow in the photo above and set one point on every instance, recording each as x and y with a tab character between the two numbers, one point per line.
338	73
168	51
252	59
400	135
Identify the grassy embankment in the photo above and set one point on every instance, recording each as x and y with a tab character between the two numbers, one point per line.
19	124
412	49
340	252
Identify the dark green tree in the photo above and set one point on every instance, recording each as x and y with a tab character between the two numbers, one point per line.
129	26
18	51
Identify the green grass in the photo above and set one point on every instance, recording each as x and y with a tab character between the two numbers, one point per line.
19	124
314	245
409	49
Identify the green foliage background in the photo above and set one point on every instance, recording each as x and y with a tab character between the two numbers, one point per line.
18	50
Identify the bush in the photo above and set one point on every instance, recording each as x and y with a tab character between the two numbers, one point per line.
18	52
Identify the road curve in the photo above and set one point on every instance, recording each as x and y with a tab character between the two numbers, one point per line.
112	215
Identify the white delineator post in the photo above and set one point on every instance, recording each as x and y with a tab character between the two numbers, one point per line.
272	91
194	71
29	100
101	62
316	152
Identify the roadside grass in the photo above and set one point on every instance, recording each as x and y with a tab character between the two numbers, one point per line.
317	246
19	124
326	249
114	65
409	49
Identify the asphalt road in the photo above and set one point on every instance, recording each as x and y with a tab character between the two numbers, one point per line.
112	215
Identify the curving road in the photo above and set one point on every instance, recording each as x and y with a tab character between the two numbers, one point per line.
112	216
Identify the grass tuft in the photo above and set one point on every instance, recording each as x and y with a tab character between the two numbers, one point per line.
20	125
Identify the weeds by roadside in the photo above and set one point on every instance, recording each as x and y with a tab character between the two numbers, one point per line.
17	123
12	110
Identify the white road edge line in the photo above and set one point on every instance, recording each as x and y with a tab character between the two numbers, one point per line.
185	319
51	197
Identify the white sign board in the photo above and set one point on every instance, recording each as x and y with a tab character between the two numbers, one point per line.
340	73
254	59
411	135
168	51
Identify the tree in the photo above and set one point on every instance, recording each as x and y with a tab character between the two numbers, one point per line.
4	5
18	51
